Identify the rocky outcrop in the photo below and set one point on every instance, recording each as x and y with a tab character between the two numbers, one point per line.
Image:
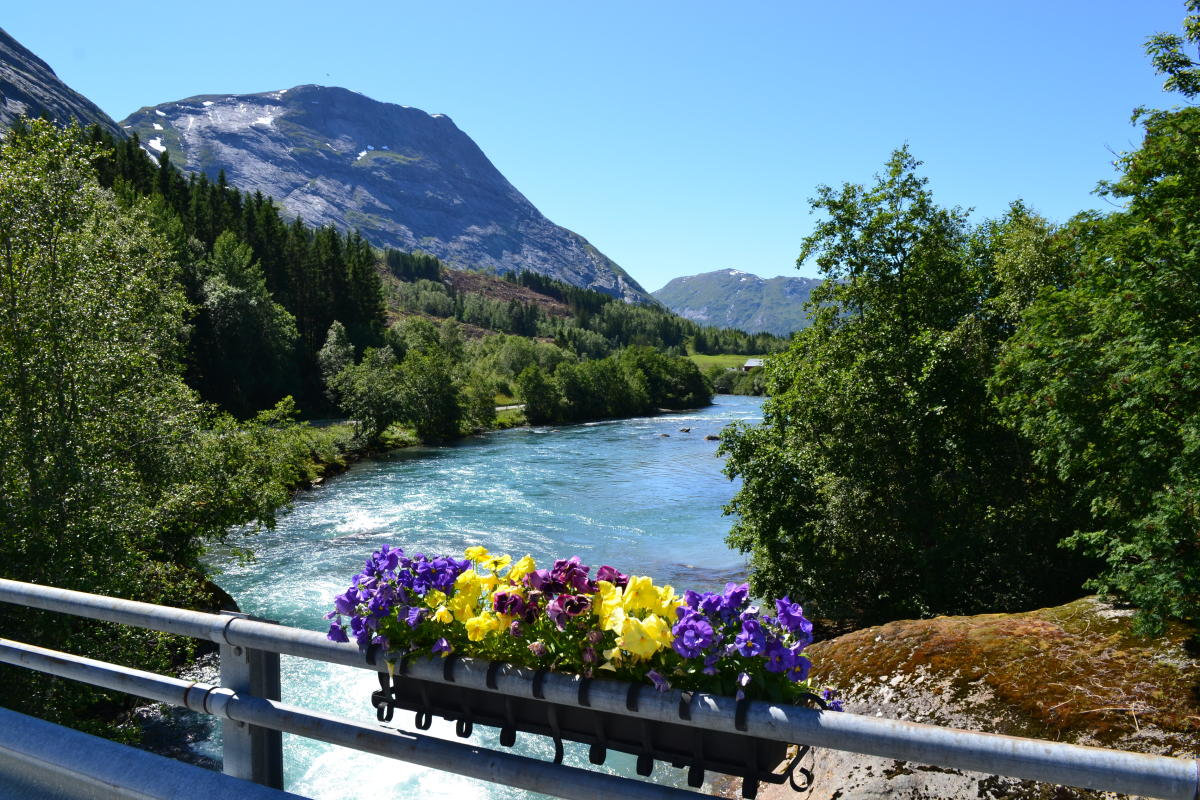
1074	673
406	179
730	298
28	87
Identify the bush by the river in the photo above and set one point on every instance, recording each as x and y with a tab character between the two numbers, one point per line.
636	381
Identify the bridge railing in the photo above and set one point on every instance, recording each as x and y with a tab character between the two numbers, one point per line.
249	698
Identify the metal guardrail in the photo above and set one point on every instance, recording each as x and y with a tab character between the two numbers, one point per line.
251	711
1072	765
44	760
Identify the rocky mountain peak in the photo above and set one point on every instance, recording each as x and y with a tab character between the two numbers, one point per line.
405	178
735	299
29	87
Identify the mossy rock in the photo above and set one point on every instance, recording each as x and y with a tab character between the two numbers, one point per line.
1075	673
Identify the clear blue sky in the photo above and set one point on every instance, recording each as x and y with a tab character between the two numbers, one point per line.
679	137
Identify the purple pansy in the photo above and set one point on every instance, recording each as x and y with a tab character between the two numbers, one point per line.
660	682
610	574
693	633
750	641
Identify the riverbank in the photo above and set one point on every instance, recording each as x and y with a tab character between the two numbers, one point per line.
319	452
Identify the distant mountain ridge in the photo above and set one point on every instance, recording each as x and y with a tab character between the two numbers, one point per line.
406	179
730	298
29	87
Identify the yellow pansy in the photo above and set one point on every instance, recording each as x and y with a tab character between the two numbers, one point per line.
607	605
640	593
614	621
434	598
480	626
636	640
657	629
443	615
476	553
667	602
467	583
463	606
495	563
608	598
487	582
522	568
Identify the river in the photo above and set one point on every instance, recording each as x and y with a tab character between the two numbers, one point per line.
639	494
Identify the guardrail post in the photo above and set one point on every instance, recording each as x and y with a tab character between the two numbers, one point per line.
251	752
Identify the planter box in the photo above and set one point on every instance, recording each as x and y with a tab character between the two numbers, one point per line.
751	758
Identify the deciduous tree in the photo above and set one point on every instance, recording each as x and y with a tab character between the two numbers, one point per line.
1104	374
881	483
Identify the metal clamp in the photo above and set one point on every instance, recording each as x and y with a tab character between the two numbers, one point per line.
385	705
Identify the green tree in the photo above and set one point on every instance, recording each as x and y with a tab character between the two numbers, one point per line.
1104	375
370	392
1166	51
113	476
880	483
429	394
539	394
412	333
478	400
334	356
245	340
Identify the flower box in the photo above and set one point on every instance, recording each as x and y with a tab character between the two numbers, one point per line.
611	629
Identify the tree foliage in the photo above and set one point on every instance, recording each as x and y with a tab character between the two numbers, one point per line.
1104	374
244	342
369	392
113	476
881	470
638	380
1166	51
295	277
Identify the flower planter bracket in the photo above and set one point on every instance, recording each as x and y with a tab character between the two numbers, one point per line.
697	749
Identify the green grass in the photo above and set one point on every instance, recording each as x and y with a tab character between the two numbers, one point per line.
723	361
398	435
375	156
509	419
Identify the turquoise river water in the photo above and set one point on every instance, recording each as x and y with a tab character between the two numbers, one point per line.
615	492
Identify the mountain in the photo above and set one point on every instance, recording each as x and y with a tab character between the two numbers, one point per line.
729	298
404	178
29	87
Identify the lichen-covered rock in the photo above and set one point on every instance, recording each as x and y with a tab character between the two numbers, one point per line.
1074	673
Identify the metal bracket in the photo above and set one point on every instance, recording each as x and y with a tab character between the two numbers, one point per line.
251	752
